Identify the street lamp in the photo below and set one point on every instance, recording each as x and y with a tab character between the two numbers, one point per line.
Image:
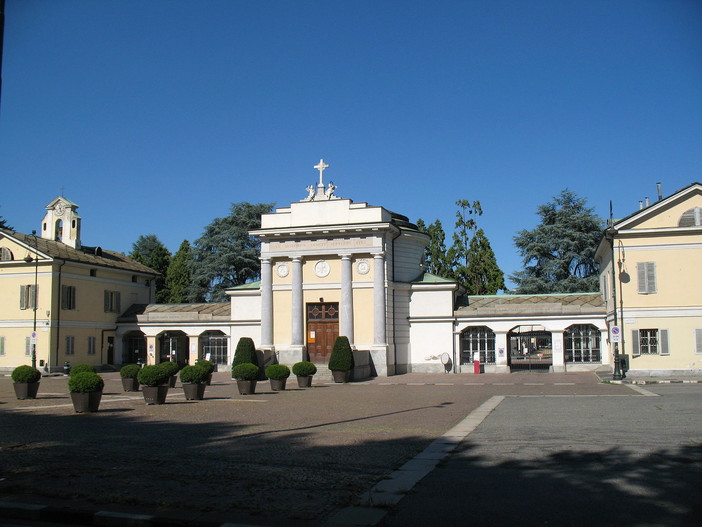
35	299
617	376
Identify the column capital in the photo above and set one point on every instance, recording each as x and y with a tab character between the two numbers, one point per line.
265	259
345	256
297	258
378	255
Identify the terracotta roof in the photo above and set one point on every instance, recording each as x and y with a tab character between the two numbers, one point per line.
553	304
177	312
88	255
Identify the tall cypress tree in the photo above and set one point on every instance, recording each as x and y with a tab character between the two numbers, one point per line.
483	276
178	276
149	250
436	260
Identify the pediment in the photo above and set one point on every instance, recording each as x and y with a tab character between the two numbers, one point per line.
672	212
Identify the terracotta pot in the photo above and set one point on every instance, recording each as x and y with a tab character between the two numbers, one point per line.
26	390
155	394
278	385
130	385
194	391
246	387
84	402
304	381
341	376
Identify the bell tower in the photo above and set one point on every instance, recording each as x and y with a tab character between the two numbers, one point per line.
62	223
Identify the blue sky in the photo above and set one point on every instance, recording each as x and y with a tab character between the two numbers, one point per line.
153	116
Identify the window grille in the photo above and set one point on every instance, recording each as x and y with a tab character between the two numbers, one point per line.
478	339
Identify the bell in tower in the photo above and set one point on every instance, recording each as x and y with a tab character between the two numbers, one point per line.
62	223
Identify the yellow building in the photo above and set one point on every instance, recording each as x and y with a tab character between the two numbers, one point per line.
651	280
61	299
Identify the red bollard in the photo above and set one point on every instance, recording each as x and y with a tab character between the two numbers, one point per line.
476	366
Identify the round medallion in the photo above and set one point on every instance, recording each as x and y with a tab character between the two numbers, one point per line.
363	267
60	208
282	270
321	268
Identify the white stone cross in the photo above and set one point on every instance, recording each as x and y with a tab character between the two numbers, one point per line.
321	167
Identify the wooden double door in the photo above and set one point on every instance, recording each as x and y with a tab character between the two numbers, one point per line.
322	330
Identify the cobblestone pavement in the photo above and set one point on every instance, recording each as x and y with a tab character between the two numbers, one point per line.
273	458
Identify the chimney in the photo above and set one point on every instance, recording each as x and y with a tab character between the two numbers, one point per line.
660	191
640	205
646	198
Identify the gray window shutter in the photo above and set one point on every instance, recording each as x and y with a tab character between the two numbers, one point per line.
27	346
64	297
698	341
641	276
635	343
118	302
651	277
663	342
34	296
107	301
23	297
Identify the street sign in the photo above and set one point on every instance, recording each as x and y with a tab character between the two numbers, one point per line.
615	334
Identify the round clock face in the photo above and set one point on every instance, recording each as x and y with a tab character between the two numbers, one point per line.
363	267
282	270
321	269
60	208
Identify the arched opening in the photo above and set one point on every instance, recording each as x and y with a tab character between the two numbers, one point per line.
173	346
213	346
58	230
530	349
479	339
582	344
134	348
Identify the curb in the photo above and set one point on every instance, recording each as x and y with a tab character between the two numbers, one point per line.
71	516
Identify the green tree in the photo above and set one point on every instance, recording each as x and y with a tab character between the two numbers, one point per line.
4	224
178	276
225	255
149	250
484	277
436	260
559	254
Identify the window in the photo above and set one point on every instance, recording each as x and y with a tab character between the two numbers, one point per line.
91	345
112	302
68	297
698	341
27	346
6	254
93	272
691	218
647	277
28	296
582	343
480	339
650	342
70	349
2	346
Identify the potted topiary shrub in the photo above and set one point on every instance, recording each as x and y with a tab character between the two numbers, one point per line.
245	352
246	375
154	383
194	381
172	368
129	374
304	371
26	382
208	366
80	368
278	375
341	360
86	391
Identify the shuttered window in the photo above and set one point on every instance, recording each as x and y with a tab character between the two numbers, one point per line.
68	297
28	296
649	342
2	346
27	346
698	340
646	277
70	349
112	302
91	345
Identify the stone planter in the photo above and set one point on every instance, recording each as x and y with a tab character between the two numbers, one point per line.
194	391
130	385
304	381
278	385
172	381
246	387
341	376
208	381
26	390
155	394
85	402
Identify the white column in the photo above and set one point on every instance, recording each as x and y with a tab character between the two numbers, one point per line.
297	303
266	303
379	308
558	354
346	297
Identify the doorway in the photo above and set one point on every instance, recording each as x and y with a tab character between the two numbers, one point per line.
322	330
530	349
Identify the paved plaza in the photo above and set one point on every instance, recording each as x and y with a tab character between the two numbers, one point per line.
523	449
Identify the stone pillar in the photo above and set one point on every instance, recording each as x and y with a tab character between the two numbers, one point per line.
297	303
346	327
151	349
557	351
193	351
379	307
266	303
